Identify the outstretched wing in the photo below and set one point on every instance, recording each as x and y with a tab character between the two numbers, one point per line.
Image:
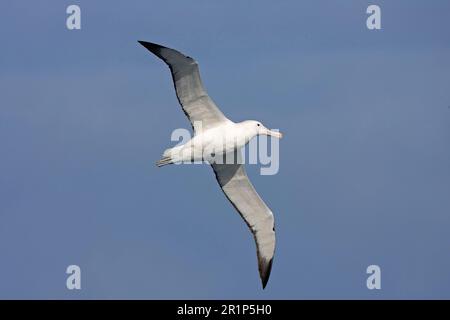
192	96
239	190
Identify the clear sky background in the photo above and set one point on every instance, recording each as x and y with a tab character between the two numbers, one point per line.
364	166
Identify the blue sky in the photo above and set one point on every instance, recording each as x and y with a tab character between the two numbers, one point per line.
364	165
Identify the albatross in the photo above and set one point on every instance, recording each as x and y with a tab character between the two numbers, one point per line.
222	137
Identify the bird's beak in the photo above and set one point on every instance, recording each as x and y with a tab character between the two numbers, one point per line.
275	134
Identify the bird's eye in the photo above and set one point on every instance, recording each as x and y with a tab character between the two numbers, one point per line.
258	124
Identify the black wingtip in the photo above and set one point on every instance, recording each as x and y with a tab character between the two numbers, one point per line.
154	48
265	269
142	42
150	46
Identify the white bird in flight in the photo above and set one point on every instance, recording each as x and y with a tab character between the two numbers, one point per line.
213	131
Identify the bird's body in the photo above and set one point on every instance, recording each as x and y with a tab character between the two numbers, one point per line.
215	138
215	142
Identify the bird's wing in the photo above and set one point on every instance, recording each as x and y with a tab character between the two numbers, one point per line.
241	193
192	96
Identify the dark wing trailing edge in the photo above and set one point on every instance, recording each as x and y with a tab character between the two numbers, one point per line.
239	190
192	96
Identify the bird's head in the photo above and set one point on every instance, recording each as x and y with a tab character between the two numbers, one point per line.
257	128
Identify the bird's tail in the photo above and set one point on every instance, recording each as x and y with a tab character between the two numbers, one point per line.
167	158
